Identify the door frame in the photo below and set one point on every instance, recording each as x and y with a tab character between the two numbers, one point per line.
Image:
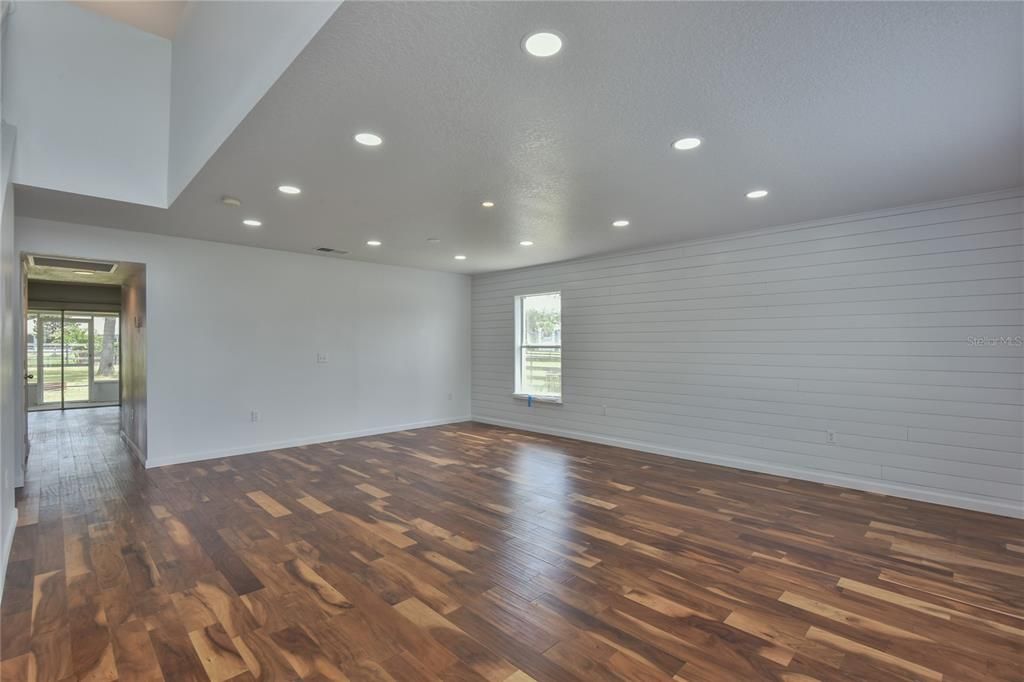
20	351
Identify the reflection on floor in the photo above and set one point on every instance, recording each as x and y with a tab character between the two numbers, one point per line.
472	552
80	405
90	434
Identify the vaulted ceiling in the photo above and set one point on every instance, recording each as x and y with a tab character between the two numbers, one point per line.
159	18
834	108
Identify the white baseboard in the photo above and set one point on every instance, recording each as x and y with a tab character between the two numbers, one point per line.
8	541
295	442
133	448
947	498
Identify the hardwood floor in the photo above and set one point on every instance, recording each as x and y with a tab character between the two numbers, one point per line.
471	552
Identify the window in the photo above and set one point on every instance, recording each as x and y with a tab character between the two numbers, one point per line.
539	345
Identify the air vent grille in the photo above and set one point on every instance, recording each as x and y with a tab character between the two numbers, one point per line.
70	264
327	249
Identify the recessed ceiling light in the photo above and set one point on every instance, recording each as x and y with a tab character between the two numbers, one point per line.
757	194
460	257
369	139
487	204
83	272
543	44
620	223
289	189
373	242
249	222
526	242
686	143
230	201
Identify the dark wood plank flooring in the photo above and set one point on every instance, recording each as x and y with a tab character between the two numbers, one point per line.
471	552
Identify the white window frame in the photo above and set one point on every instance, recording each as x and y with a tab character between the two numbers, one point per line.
519	346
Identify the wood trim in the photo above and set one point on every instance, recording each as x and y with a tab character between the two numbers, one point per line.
987	505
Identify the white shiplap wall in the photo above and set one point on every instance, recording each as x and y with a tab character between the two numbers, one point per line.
747	350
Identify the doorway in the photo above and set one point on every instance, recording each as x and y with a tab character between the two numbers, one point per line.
73	359
82	344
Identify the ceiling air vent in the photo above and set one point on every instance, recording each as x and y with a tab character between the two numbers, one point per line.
72	264
327	249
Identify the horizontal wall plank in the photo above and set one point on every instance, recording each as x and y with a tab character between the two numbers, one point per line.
898	332
741	407
961	250
500	354
627	367
970	209
910	297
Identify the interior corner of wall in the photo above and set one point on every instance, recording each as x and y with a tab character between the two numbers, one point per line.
8	136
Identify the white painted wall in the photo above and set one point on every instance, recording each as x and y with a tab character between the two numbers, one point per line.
12	396
11	368
231	329
11	392
91	100
226	57
745	350
108	110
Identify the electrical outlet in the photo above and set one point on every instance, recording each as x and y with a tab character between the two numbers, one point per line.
321	358
449	396
830	437
254	416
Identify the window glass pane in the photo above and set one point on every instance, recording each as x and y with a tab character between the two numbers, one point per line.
50	372
541	371
106	346
76	357
31	349
542	320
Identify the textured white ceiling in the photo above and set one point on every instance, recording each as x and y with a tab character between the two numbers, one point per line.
835	108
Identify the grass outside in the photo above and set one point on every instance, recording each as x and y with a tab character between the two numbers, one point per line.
76	382
543	376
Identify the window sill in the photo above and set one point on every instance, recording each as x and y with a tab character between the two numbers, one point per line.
554	399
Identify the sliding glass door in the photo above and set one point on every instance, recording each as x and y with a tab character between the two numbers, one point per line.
73	359
105	381
46	355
